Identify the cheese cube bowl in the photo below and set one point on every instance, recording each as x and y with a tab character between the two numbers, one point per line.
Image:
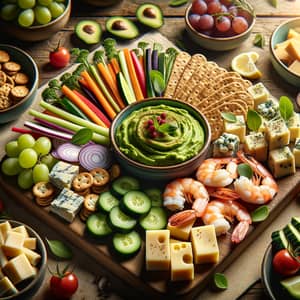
30	287
279	35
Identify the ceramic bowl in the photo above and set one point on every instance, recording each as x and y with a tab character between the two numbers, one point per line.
162	173
37	32
30	68
270	279
29	290
102	3
279	35
216	43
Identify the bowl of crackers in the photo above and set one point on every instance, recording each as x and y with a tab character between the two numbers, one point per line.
285	51
19	78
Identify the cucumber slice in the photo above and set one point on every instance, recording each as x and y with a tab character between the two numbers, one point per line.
107	201
296	222
156	219
136	203
279	240
96	225
292	235
127	243
124	184
120	221
155	196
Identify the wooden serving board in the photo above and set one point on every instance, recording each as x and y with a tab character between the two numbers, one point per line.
132	271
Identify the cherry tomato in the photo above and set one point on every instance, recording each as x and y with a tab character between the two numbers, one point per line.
285	264
65	286
60	57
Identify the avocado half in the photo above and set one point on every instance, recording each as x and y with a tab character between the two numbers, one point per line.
121	27
88	31
150	15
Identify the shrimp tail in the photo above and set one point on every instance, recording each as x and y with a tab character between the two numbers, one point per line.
226	194
240	232
183	217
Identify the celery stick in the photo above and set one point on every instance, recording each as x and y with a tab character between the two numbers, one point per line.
67	116
103	88
97	138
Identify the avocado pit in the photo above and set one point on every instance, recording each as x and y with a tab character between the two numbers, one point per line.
88	29
149	12
119	25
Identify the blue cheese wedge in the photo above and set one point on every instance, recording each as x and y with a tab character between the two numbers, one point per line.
62	174
259	93
268	109
293	125
67	204
238	128
257	146
277	134
296	152
226	145
282	162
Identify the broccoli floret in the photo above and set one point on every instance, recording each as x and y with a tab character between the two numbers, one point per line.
54	83
110	49
65	76
79	70
99	56
50	95
158	47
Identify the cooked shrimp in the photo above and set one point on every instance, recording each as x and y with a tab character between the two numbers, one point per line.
222	193
217	172
184	190
221	214
261	188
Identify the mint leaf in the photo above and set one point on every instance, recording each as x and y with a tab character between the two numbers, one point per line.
166	128
245	170
82	136
253	120
220	281
286	107
59	249
229	117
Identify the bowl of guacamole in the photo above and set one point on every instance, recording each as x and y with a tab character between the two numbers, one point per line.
160	138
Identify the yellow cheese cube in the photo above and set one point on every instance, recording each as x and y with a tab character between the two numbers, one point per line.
30	243
282	54
295	67
293	48
157	249
181	232
182	267
257	146
19	269
277	134
6	287
292	33
205	244
285	43
21	229
4	228
282	162
3	258
13	244
238	128
293	125
296	152
259	93
32	256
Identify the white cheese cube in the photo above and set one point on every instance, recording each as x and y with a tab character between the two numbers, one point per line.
282	162
238	128
30	243
268	109
257	146
7	288
277	135
259	93
3	258
21	229
13	244
296	152
226	145
181	232
4	228
32	256
293	125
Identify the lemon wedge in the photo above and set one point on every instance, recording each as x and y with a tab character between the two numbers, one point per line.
244	64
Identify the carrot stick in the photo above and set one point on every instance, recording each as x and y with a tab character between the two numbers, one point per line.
111	71
81	105
97	92
135	83
115	65
83	82
94	108
111	83
141	59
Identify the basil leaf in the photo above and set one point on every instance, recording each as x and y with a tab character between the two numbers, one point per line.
253	120
167	128
229	117
158	81
286	107
220	281
259	40
260	214
82	136
175	3
59	249
245	170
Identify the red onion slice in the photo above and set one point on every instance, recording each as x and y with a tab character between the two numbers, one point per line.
68	152
95	156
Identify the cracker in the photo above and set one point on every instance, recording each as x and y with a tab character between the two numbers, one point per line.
5	102
194	63
4	56
19	92
3	77
180	62
21	78
11	67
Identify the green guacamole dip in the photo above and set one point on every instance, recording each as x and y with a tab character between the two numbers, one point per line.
181	143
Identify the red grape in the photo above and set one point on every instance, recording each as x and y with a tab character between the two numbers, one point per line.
213	7
245	14
239	25
194	19
199	7
206	22
223	23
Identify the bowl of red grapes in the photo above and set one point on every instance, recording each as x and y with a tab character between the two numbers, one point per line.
219	24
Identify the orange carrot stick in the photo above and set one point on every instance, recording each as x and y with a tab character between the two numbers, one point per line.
99	95
111	71
135	83
111	84
141	59
115	65
81	105
83	82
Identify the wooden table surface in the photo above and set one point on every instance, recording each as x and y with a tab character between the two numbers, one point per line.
268	18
